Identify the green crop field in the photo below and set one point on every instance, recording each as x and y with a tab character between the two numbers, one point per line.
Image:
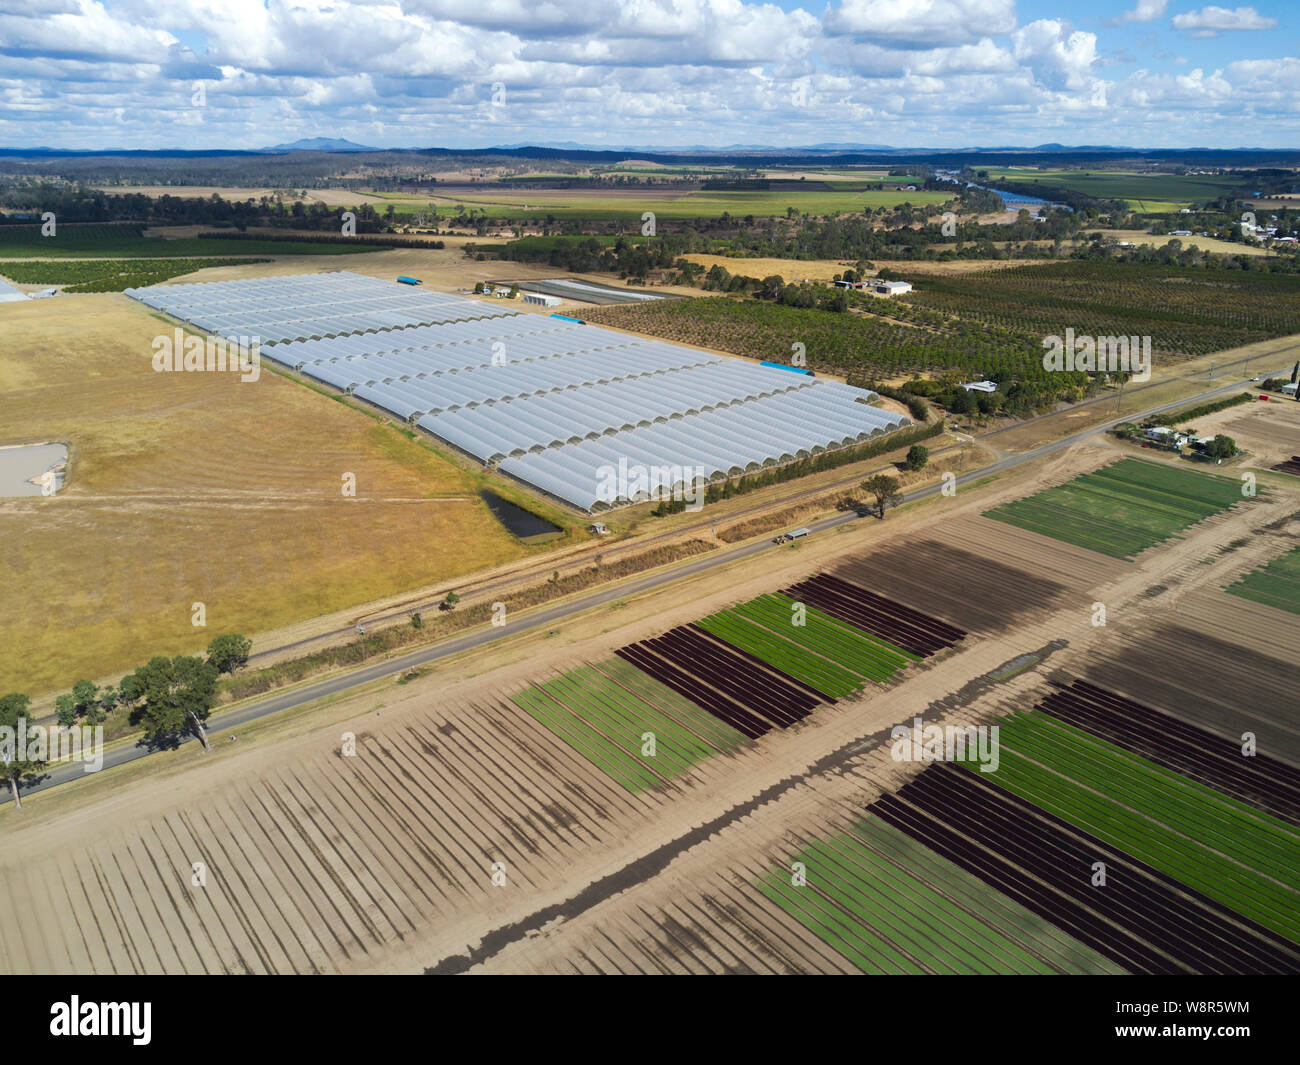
125	242
1209	841
833	657
891	905
1121	509
1277	584
107	275
600	204
604	711
1143	192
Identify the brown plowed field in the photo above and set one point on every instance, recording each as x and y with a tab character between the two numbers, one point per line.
979	574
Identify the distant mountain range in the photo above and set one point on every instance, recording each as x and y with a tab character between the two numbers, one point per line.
320	144
734	154
810	149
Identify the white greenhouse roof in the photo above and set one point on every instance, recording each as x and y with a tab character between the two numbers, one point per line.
559	405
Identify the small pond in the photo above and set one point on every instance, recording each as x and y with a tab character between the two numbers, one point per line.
27	468
523	523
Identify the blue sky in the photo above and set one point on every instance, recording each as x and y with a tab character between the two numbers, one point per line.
89	74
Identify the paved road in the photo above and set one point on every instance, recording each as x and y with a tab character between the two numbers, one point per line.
638	545
549	616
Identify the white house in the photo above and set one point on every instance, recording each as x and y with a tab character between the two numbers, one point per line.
889	288
1166	435
980	386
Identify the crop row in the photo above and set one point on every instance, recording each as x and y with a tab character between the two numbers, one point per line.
900	625
866	655
1276	584
806	644
1259	781
640	736
995	320
828	678
1245	859
893	916
1122	509
1125	909
762	696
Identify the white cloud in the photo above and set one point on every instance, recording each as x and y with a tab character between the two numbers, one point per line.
1059	57
1145	11
920	23
87	73
1211	21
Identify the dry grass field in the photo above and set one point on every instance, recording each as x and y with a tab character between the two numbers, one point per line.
197	487
1210	244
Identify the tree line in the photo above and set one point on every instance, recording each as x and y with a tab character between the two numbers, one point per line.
167	698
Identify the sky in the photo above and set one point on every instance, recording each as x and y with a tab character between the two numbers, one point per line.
242	74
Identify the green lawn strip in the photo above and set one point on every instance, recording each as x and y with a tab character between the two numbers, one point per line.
631	773
789	657
1131	510
987	904
829	923
1156	498
964	943
619	726
851	648
827	627
1174	844
1108	516
1064	746
1214	819
710	729
1120	509
627	772
1185	859
989	946
1085	526
1073	741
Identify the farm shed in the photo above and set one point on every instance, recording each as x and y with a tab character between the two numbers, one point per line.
541	299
